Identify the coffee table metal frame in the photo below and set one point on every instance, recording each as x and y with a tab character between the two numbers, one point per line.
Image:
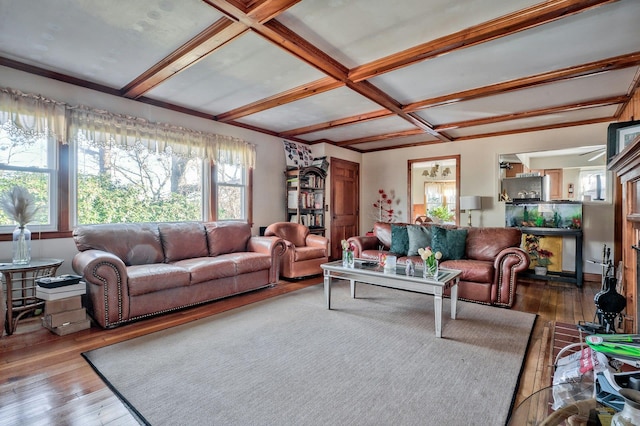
370	273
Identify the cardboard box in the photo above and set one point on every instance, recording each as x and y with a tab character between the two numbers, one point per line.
69	328
62	305
66	317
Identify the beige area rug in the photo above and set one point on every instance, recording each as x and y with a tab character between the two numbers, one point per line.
289	361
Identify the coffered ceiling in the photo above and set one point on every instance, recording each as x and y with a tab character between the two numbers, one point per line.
362	74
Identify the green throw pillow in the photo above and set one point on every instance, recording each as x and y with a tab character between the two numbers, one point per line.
419	237
450	242
399	240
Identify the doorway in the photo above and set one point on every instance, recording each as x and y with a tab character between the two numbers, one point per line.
434	188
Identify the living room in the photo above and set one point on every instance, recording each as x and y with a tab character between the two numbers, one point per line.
380	166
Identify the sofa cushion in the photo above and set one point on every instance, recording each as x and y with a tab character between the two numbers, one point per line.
419	237
486	243
227	237
382	231
155	277
479	271
249	262
208	268
399	239
133	243
183	240
450	242
308	252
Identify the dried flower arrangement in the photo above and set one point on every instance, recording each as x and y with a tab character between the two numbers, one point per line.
19	205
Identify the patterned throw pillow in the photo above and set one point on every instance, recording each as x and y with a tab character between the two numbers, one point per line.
419	237
399	240
450	242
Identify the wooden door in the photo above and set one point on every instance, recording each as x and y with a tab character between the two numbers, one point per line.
345	204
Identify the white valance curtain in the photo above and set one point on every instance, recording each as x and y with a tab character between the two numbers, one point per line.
33	115
29	116
104	128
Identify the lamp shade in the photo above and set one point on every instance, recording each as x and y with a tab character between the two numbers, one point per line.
471	202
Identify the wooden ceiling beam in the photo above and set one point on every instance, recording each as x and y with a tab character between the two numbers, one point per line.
336	123
534	113
515	22
297	93
400	134
212	38
592	68
536	129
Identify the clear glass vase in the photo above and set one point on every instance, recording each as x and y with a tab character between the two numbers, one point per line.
430	268
347	259
21	246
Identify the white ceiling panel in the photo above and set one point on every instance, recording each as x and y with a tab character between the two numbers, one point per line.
545	120
361	130
395	142
581	38
359	31
107	42
597	86
331	105
243	71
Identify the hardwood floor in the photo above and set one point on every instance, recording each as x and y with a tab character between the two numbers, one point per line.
44	379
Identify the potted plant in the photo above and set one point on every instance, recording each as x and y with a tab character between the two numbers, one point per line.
440	214
541	258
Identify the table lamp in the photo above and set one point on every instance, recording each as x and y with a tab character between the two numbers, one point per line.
470	202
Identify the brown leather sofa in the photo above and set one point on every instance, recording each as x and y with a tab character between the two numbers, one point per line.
490	265
135	270
305	251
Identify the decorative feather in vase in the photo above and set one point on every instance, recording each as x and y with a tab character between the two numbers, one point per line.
19	205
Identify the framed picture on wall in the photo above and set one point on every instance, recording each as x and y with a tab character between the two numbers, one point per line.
619	135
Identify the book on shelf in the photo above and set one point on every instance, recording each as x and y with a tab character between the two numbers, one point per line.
292	200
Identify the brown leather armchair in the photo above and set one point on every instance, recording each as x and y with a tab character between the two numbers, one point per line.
305	252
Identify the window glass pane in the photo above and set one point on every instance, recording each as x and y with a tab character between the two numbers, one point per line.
230	202
593	183
230	174
116	185
231	191
24	161
38	185
19	150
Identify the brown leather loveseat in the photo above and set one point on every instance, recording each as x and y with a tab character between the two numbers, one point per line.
135	270
490	259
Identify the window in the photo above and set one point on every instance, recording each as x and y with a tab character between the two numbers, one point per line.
114	185
593	184
29	160
231	192
117	168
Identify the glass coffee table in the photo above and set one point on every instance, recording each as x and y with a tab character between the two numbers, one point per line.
370	272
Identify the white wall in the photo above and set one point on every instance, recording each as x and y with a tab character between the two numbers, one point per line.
479	174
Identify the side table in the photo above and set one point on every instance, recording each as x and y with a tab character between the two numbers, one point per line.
20	287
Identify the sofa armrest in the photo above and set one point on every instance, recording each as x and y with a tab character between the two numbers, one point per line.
508	263
107	290
362	243
313	240
268	245
274	247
